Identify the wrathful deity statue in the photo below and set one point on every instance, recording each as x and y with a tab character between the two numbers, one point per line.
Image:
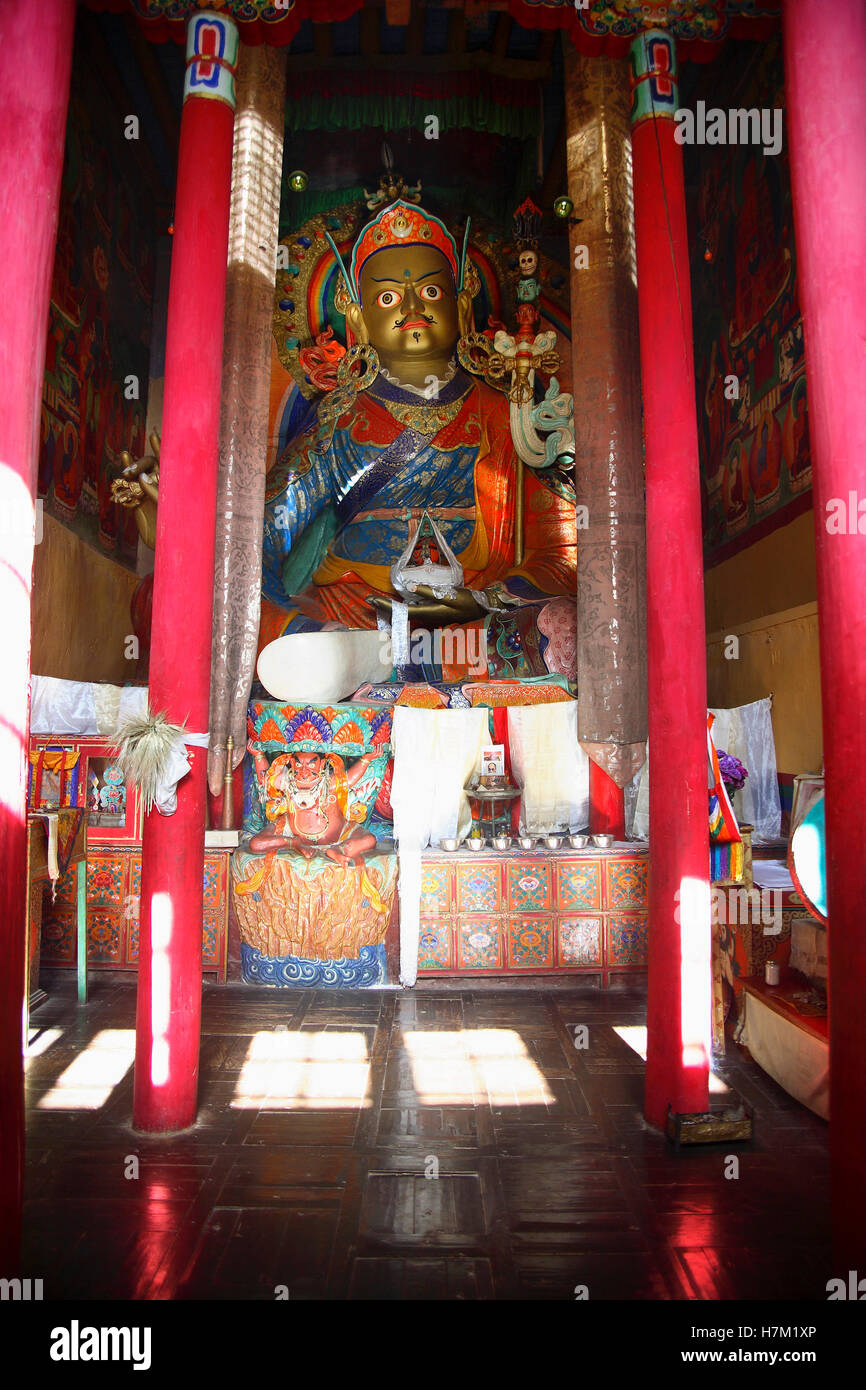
407	431
306	799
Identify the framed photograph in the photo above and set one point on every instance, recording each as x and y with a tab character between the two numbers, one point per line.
493	760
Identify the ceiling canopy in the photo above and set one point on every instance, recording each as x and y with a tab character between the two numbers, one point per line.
601	26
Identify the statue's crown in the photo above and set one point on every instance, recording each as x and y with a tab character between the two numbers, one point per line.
403	224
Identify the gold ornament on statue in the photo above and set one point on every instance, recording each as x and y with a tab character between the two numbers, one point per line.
471	278
358	369
137	489
391	185
342	297
477	354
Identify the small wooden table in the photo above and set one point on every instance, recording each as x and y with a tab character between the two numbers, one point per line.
773	997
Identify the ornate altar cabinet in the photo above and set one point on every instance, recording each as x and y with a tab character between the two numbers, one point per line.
112	888
581	912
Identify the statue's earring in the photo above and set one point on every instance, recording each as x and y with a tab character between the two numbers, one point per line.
342	297
358	369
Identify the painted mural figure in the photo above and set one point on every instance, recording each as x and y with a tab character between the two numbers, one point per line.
766	458
801	459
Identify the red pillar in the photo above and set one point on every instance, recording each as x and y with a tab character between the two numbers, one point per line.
169	974
679	985
824	79
35	63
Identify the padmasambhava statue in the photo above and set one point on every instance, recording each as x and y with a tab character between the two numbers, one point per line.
407	430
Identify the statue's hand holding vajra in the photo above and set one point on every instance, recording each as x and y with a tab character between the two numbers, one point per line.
427	610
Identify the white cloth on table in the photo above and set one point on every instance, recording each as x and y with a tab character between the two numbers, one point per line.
61	707
550	765
436	753
746	732
797	1059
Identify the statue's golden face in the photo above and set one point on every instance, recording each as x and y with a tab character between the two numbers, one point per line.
409	303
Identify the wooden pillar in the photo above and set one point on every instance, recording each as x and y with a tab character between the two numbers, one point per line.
679	986
35	63
169	973
824	81
253	235
611	559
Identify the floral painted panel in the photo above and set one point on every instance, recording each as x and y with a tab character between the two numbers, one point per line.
528	884
578	884
105	880
627	881
479	943
104	937
627	938
479	887
435	889
530	942
434	946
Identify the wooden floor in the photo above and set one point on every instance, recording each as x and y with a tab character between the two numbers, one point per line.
322	1113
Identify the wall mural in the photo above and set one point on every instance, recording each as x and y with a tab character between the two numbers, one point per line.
99	324
754	439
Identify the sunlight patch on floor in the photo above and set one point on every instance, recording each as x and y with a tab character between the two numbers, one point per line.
635	1038
91	1077
456	1068
304	1070
39	1041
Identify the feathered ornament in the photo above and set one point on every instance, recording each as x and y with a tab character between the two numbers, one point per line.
147	748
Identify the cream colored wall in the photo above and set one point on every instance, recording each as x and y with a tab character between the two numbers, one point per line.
80	610
765	597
